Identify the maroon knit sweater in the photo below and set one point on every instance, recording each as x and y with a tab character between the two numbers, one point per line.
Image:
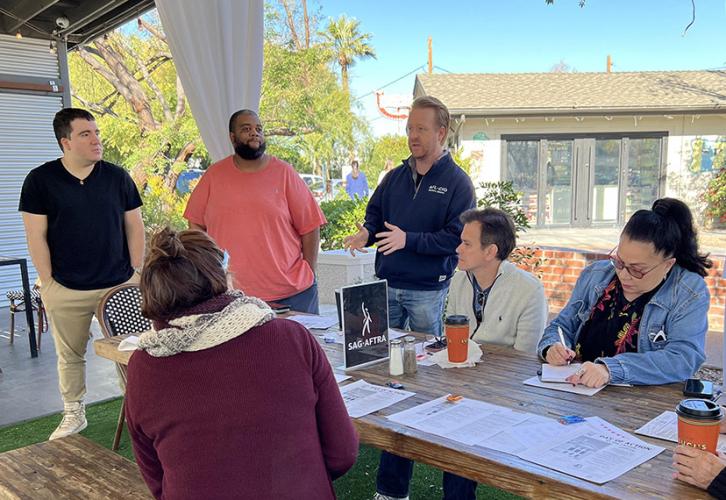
257	417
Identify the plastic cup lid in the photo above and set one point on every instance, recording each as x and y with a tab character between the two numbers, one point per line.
699	408
457	319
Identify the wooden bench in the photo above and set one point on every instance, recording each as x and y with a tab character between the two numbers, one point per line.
71	467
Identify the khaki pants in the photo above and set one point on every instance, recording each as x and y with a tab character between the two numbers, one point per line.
70	313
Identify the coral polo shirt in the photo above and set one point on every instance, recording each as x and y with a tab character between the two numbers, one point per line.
259	218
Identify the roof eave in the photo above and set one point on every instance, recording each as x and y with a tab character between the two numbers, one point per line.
522	112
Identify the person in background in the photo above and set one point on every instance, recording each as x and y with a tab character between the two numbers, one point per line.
641	316
356	183
505	304
386	168
85	235
224	400
257	208
413	217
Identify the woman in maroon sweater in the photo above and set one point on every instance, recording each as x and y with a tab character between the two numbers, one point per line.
223	400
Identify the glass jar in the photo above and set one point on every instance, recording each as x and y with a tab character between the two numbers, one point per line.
395	361
409	355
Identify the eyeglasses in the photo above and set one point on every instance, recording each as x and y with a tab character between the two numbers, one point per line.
481	301
634	273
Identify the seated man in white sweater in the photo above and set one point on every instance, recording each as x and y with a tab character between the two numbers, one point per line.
505	304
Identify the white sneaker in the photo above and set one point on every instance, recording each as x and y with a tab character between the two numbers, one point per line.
74	420
378	496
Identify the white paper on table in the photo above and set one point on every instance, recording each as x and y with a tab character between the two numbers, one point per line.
533	432
467	421
130	343
594	450
578	389
341	378
314	322
362	398
665	427
553	373
423	357
396	334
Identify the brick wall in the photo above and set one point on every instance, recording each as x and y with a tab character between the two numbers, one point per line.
563	266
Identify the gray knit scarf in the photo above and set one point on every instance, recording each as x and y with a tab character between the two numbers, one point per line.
197	332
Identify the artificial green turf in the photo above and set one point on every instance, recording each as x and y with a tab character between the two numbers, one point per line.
358	484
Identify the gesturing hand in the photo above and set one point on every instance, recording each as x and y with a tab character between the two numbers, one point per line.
392	240
356	241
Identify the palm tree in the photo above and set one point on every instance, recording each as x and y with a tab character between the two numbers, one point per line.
347	44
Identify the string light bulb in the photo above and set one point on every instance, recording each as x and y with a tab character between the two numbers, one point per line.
18	35
53	50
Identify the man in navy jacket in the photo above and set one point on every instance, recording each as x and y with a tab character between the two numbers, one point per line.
413	217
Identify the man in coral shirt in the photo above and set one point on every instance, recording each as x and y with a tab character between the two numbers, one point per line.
258	209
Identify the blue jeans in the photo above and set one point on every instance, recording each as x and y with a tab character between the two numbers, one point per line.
394	476
419	310
305	301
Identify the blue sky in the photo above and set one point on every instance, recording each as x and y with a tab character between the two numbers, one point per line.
528	36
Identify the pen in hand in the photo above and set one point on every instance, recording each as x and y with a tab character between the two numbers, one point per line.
562	339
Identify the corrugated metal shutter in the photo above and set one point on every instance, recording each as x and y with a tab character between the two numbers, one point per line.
26	141
27	57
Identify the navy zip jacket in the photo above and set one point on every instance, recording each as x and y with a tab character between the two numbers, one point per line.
428	215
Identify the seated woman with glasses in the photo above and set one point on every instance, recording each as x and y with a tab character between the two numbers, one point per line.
640	317
224	400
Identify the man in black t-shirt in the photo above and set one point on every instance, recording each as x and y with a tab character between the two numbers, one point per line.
85	235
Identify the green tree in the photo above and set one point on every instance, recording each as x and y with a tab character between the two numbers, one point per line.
342	215
302	101
348	44
377	151
127	79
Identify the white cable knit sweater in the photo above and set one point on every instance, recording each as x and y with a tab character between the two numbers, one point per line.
515	313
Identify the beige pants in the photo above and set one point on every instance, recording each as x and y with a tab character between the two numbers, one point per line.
70	313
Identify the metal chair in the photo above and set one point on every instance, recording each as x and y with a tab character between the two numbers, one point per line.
17	304
119	313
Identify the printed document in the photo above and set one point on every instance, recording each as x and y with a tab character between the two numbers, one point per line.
467	421
533	432
362	398
593	450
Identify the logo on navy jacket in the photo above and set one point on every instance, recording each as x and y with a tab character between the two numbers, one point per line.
433	188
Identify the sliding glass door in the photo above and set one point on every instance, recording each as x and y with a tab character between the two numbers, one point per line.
583	181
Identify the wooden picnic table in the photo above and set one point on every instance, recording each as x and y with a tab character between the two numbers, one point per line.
70	467
498	380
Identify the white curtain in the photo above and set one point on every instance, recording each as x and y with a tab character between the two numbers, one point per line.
217	50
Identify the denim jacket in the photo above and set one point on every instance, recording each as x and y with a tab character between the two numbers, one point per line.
672	332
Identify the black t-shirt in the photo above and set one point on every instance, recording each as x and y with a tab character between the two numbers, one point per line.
86	233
